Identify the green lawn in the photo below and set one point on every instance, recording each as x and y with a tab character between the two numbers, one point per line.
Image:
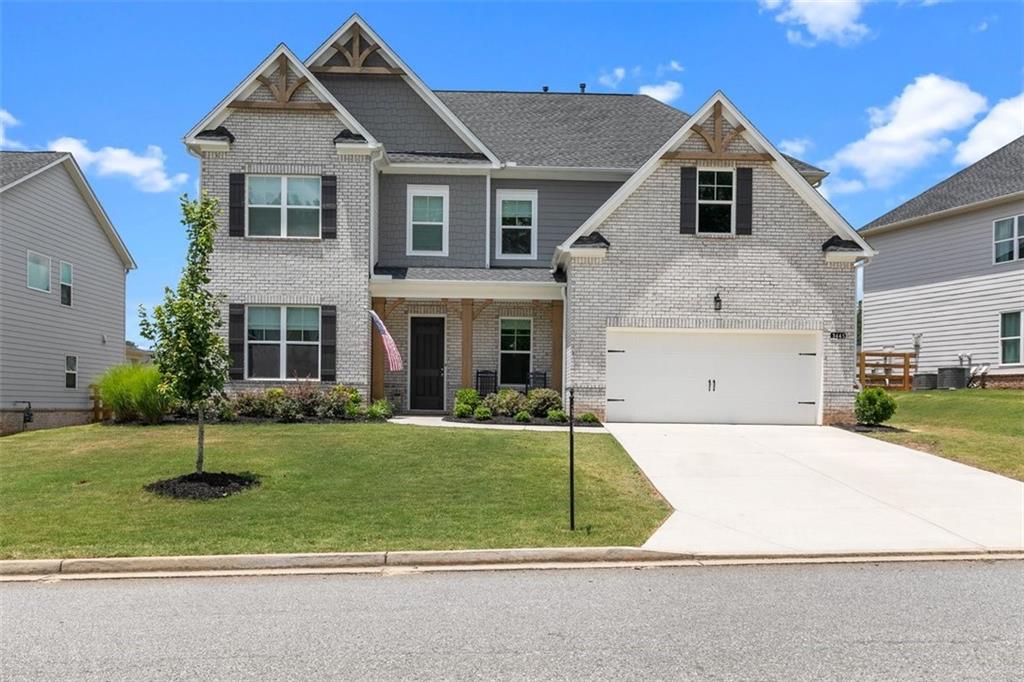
325	487
983	428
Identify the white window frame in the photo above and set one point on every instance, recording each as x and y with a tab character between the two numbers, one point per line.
1018	235
426	191
70	284
49	271
502	384
73	372
731	203
1019	338
516	195
283	234
284	342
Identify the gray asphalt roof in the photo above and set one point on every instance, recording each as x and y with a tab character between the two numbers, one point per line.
998	174
16	165
469	274
435	157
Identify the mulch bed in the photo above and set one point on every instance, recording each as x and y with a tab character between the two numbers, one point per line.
870	428
513	422
204	486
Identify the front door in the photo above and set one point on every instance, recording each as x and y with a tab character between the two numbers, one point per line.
426	363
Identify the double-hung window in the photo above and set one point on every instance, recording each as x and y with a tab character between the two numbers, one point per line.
70	371
1010	338
295	354
426	228
66	281
282	206
715	202
516	340
1008	238
517	224
38	272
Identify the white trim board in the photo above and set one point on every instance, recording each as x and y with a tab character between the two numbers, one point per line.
385	287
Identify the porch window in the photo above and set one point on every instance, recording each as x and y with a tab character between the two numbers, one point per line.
1010	338
515	349
282	206
1008	239
293	355
426	230
517	224
715	202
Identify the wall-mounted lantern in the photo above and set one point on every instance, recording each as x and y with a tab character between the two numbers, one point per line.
718	303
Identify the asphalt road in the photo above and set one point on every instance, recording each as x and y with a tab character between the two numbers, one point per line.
910	621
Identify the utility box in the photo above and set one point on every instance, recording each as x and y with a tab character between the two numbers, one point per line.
953	377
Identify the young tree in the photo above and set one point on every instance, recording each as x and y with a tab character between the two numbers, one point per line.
187	349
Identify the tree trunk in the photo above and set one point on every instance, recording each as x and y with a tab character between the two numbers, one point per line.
201	443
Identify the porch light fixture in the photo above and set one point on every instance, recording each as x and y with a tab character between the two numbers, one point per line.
718	303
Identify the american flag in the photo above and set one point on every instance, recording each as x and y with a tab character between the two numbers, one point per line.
394	359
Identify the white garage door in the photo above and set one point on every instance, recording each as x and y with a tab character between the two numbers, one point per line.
713	377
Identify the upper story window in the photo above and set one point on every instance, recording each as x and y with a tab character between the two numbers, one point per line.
282	206
1008	235
38	272
715	202
517	224
426	229
293	355
66	282
1010	338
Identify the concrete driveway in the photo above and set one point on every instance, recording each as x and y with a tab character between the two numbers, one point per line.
808	489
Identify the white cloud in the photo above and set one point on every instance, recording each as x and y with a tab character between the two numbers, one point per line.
7	120
1004	123
833	186
795	146
613	78
910	130
673	66
816	21
663	92
146	170
980	27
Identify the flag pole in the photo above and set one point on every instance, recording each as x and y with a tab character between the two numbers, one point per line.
572	463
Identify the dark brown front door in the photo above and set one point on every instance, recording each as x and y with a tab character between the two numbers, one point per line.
426	363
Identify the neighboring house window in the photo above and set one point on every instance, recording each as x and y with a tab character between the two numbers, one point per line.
66	280
293	355
426	230
515	346
283	206
1008	234
71	371
1010	338
715	201
38	272
517	224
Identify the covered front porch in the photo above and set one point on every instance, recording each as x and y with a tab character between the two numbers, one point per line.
455	334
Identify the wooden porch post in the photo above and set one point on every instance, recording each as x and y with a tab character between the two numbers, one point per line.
377	353
467	343
556	345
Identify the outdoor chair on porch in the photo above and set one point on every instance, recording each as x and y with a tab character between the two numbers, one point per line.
486	382
537	380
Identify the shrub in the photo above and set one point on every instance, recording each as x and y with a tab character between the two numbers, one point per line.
287	410
523	417
352	393
506	402
467	396
308	397
224	410
540	401
133	393
462	411
557	417
482	413
248	403
588	418
874	406
380	409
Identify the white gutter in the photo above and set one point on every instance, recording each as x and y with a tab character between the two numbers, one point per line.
487	222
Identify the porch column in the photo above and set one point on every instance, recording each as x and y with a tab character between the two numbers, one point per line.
557	316
467	343
377	353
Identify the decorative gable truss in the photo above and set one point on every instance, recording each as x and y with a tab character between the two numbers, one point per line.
718	131
280	83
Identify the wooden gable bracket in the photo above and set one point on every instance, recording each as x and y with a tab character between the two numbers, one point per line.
282	92
718	142
487	302
388	309
356	58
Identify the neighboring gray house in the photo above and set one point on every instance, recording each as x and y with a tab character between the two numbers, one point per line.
668	267
62	280
952	269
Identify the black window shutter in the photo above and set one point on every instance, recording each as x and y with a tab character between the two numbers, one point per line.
329	207
237	205
236	340
688	200
328	343
744	200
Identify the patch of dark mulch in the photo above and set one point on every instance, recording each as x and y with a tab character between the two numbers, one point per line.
204	486
870	428
513	422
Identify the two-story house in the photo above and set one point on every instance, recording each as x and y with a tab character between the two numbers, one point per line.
667	267
952	271
62	288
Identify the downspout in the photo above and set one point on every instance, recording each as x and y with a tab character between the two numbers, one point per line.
487	221
375	157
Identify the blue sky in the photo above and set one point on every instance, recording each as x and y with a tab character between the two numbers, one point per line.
889	96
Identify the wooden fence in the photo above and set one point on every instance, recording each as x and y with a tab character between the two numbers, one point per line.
890	370
100	412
